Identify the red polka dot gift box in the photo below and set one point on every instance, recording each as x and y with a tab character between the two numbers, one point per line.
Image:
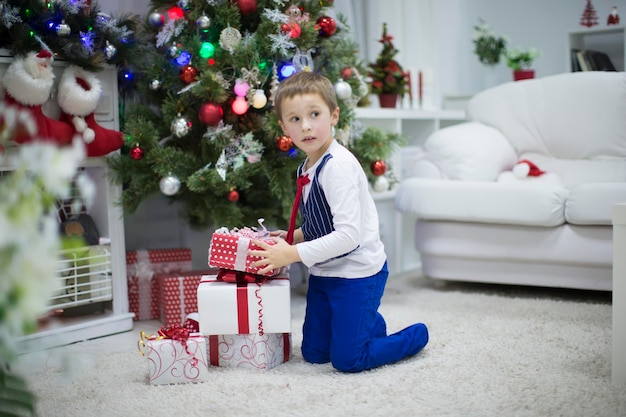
141	268
229	250
178	295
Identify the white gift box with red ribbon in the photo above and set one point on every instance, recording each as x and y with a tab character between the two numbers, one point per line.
171	362
226	308
252	351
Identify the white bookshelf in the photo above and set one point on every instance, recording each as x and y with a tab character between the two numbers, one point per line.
608	39
397	229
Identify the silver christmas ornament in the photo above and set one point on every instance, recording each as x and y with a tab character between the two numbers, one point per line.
230	38
343	90
381	184
169	185
156	19
155	84
173	51
63	29
183	4
109	50
180	126
203	22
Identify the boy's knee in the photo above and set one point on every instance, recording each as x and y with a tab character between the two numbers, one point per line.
348	364
314	356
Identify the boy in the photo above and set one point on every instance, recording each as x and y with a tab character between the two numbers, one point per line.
338	239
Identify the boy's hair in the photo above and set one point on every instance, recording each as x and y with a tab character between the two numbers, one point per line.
305	82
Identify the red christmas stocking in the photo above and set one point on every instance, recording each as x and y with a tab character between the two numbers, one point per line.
79	93
27	83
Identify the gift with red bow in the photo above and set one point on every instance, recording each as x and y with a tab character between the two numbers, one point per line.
176	354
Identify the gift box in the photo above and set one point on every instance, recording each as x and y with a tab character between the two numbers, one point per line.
141	267
173	361
243	307
252	351
229	250
178	294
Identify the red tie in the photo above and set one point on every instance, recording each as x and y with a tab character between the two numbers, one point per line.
301	181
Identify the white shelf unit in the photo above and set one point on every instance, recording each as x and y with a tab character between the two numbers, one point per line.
608	39
93	294
396	229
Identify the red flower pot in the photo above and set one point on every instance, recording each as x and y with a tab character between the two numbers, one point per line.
525	74
388	100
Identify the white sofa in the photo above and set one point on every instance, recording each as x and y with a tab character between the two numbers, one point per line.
477	221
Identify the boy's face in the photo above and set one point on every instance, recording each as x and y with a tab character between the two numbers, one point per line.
309	122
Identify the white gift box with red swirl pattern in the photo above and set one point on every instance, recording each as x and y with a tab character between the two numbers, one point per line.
252	351
171	362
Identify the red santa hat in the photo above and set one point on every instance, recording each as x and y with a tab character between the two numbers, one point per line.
524	168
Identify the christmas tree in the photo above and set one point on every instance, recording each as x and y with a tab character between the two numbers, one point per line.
589	17
75	31
199	124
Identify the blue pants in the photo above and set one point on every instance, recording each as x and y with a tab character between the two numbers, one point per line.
342	325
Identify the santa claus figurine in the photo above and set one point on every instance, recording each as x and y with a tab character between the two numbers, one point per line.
613	18
27	84
524	168
78	97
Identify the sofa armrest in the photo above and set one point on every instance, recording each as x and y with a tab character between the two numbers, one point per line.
470	151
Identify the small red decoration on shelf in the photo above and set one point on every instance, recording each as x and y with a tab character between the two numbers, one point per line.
589	17
613	18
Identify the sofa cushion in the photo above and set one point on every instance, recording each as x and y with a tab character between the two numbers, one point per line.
575	172
593	203
576	115
470	151
517	203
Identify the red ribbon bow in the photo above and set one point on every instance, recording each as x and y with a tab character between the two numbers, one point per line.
180	333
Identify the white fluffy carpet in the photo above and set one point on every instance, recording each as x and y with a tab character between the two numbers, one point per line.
493	351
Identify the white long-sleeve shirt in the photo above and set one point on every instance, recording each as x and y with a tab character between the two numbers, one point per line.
354	218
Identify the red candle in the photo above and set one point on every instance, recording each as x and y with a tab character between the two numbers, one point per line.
407	75
419	87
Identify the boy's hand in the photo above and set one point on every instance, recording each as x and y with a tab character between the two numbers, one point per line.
274	256
279	233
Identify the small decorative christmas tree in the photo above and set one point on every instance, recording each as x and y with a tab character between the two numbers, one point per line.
589	17
387	74
200	128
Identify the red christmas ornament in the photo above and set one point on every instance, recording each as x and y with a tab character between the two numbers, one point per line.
210	114
326	26
284	143
188	74
136	153
175	13
293	29
346	73
378	167
233	196
246	6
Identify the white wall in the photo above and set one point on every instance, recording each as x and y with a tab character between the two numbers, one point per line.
542	24
117	7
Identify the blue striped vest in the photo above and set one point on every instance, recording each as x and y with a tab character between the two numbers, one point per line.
317	219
